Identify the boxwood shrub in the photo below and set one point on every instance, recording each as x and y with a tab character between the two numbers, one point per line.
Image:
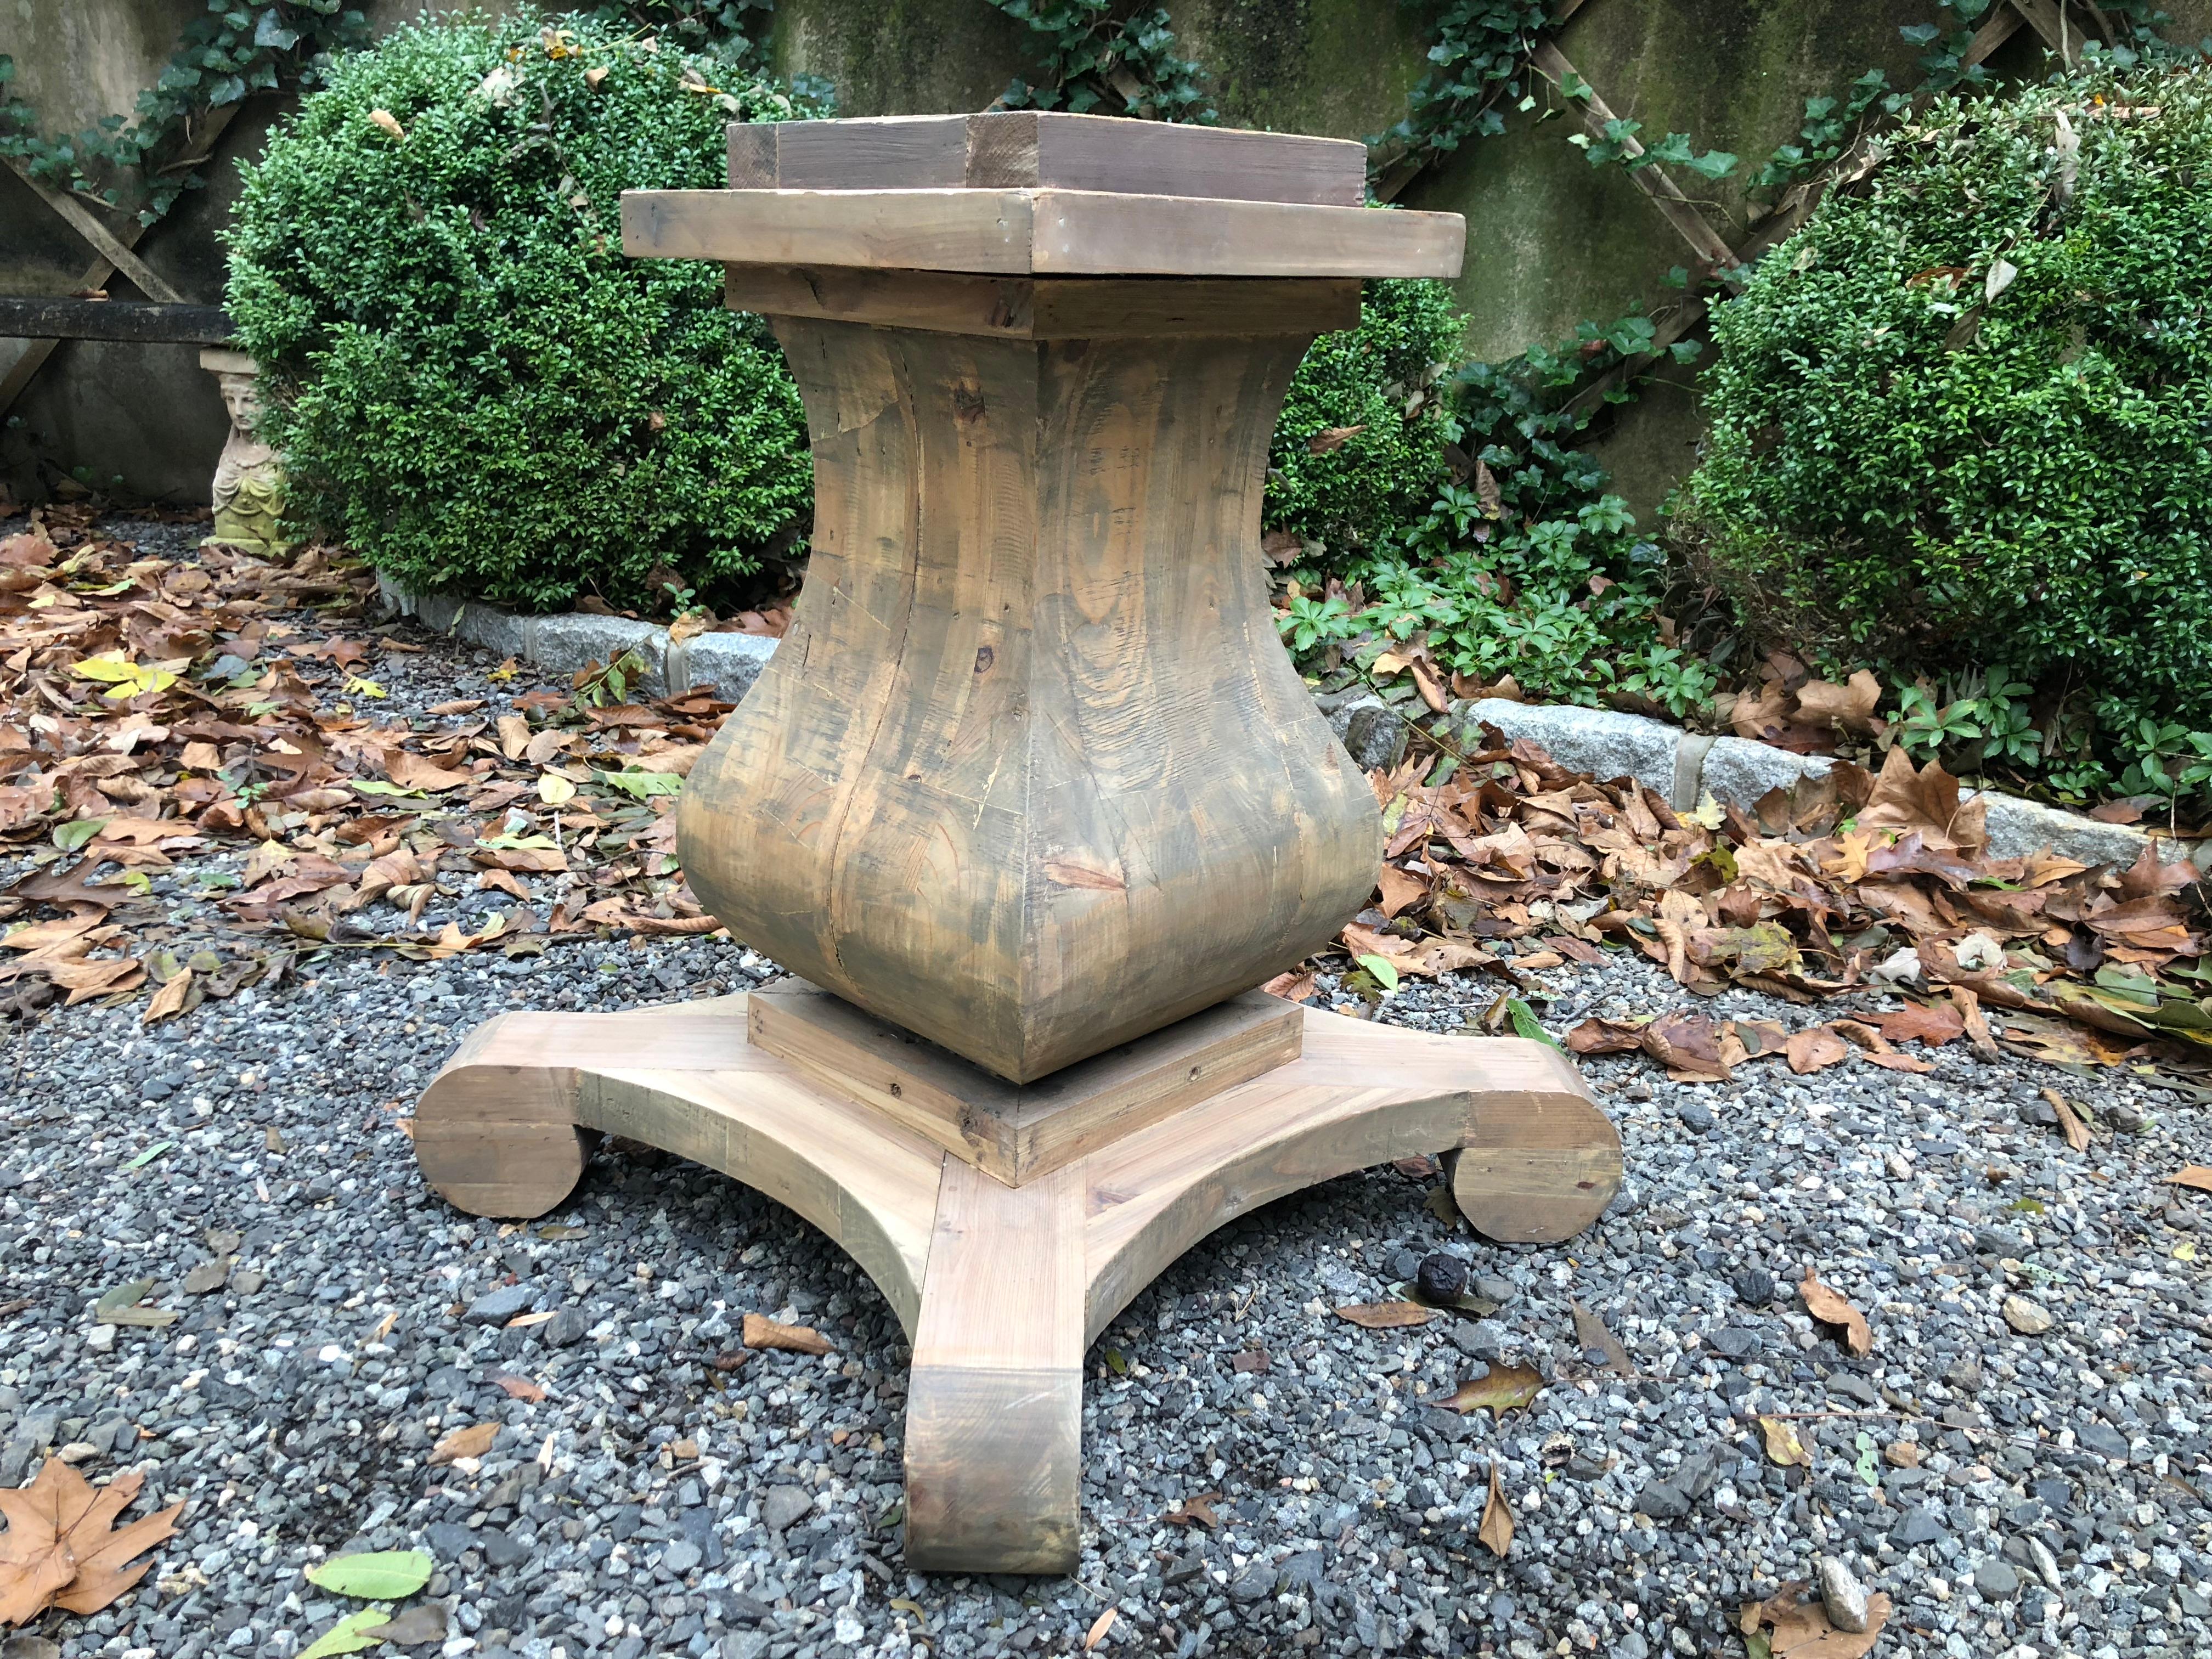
1359	449
1962	423
469	382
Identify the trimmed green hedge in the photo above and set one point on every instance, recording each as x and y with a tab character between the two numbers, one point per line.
1383	379
1962	424
469	382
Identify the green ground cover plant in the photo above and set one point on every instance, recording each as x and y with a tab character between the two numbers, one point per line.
1523	566
1960	432
469	382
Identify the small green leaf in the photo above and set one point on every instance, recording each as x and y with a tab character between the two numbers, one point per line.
149	1154
1117	1361
379	786
380	1576
72	835
351	1634
1525	1022
642	784
1385	975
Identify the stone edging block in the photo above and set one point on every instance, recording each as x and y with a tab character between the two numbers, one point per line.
1737	772
728	664
1681	766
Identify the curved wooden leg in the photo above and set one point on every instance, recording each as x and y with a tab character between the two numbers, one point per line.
1536	1169
994	1404
495	1133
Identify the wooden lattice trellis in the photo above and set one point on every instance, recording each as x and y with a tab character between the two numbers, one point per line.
113	254
1713	251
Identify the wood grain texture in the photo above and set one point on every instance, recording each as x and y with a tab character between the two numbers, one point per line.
1359	1095
1039	233
1028	149
1047	308
1002	1287
1015	1133
870	1188
1031	774
994	1403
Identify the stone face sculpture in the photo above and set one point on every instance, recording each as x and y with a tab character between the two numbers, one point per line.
249	479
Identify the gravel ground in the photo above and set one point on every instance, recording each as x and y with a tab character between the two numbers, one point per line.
651	1503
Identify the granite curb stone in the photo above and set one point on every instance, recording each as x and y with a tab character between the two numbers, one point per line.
1679	765
728	664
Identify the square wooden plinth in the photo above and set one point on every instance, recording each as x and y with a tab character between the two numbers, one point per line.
1016	1132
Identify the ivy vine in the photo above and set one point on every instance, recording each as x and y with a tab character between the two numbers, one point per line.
1480	55
1102	58
228	51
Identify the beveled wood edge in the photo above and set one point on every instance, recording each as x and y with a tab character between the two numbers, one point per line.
1035	148
1020	307
1040	232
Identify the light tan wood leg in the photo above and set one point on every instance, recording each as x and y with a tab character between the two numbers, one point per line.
1000	1287
994	1406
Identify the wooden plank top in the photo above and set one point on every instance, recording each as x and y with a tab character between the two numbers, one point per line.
1031	149
1040	231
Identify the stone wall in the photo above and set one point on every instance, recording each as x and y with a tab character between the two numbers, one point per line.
1551	239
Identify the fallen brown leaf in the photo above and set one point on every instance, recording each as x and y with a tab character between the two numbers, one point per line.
2069	1125
1507	1388
1385	1315
1099	1626
58	1550
1800	1627
1782	1444
1495	1531
518	1387
1195	1511
1592	1336
762	1332
1814	1049
1831	1307
471	1441
2198	1176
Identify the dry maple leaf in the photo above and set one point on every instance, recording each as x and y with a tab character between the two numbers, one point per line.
58	1550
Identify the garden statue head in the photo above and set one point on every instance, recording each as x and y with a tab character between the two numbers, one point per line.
242	397
249	480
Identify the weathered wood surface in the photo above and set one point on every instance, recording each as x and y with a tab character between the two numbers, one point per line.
1050	307
33	318
1016	1133
995	1401
1015	149
1043	232
1031	774
1001	1288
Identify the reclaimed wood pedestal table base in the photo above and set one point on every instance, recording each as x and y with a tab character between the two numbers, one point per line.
1002	1288
1031	793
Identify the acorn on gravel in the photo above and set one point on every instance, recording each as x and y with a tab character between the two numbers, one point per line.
1441	1278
